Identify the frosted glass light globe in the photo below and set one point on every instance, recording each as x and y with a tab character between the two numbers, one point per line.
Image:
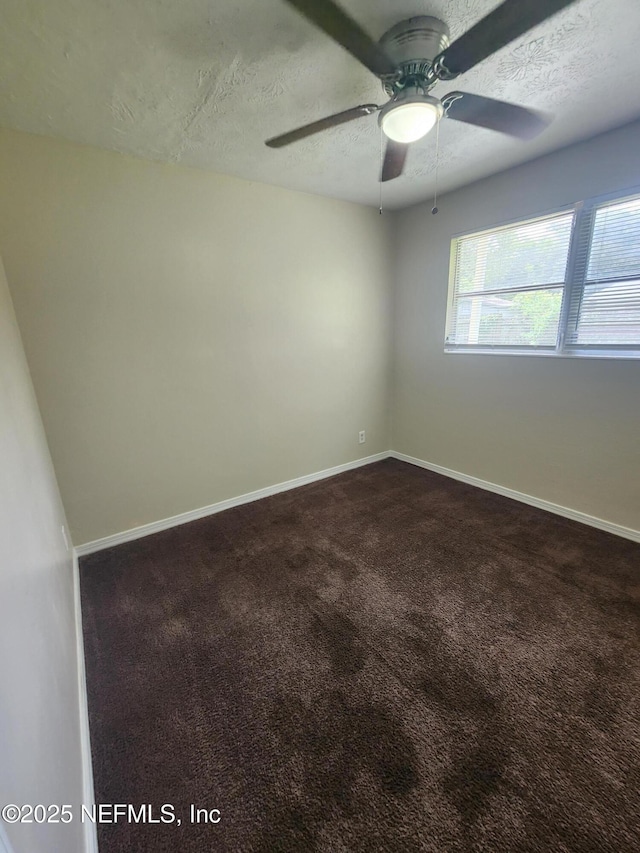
410	117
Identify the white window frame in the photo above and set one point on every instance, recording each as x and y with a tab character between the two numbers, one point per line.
573	286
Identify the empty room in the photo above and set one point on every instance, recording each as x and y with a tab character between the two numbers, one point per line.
319	426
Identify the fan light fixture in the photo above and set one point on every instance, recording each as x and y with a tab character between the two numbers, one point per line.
411	58
406	119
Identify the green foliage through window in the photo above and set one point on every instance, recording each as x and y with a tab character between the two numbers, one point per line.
567	282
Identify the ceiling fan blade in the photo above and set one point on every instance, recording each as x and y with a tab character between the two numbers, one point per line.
508	21
394	159
321	124
495	115
333	21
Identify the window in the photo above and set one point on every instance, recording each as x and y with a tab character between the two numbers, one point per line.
563	284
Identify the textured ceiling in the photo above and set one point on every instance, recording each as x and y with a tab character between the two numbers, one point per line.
205	82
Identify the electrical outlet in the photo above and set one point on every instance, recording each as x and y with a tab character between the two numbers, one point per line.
362	437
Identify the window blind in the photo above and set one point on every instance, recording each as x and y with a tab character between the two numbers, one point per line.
508	284
605	309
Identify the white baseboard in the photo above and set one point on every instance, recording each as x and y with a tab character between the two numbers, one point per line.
5	844
202	512
195	514
90	830
557	509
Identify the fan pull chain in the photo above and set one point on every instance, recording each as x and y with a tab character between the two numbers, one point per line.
434	209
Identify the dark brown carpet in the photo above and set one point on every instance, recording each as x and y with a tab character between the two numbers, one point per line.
387	660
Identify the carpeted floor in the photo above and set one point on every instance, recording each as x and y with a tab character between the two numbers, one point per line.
388	660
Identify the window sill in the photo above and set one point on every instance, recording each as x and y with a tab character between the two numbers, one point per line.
617	355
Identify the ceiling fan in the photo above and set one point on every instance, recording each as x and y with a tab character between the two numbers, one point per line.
414	55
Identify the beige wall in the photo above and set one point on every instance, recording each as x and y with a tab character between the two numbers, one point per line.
39	712
564	430
191	337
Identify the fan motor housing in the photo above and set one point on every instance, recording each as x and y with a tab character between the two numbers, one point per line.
413	44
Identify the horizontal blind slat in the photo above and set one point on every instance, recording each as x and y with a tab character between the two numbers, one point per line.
513	259
608	311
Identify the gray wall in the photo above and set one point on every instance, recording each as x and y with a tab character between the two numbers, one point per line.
191	337
564	430
39	712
